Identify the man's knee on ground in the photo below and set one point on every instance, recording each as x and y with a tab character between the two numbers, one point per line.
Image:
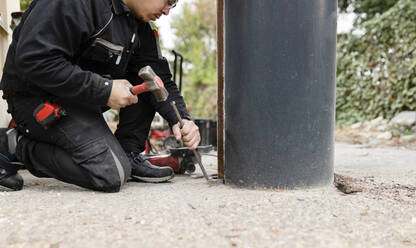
110	188
102	166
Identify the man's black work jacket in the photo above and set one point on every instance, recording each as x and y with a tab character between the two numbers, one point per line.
74	48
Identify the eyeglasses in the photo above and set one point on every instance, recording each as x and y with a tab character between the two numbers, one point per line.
172	3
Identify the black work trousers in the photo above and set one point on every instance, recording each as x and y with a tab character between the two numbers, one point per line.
135	121
80	149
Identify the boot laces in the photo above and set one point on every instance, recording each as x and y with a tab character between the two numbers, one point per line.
137	157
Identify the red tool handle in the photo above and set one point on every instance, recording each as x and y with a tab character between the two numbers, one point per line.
141	88
138	89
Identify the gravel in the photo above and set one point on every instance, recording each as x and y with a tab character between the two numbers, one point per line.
189	212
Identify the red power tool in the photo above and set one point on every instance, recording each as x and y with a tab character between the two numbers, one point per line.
181	160
46	114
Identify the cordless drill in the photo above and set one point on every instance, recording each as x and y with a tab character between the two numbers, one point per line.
46	114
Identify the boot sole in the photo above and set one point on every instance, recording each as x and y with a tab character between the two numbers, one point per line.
154	179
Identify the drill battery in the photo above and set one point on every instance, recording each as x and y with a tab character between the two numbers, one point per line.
47	114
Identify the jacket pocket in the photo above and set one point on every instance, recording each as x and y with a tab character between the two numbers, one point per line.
103	51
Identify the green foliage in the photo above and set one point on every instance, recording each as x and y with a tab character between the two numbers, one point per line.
366	9
376	72
24	4
195	30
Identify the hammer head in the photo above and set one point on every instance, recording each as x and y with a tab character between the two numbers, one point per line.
153	83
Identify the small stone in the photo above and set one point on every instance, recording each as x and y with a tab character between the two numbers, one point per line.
356	125
381	128
405	139
385	136
405	118
347	185
377	121
191	206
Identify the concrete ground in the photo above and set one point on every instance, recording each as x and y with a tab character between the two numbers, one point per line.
189	212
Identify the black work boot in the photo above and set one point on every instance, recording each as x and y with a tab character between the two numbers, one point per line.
143	170
9	165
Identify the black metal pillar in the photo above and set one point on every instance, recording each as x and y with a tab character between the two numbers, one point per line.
279	92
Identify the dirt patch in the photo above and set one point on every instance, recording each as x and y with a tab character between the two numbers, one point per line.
396	192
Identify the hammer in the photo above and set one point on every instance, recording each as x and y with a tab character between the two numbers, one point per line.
152	83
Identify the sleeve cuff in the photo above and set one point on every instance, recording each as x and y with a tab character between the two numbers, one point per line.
103	90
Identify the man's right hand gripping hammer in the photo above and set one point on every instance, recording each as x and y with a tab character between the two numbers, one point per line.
124	94
120	95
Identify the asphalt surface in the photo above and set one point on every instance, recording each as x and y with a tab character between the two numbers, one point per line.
189	212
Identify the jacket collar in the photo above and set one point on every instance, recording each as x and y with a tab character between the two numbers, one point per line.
119	7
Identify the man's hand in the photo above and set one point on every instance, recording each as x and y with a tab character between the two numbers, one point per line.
189	134
120	95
